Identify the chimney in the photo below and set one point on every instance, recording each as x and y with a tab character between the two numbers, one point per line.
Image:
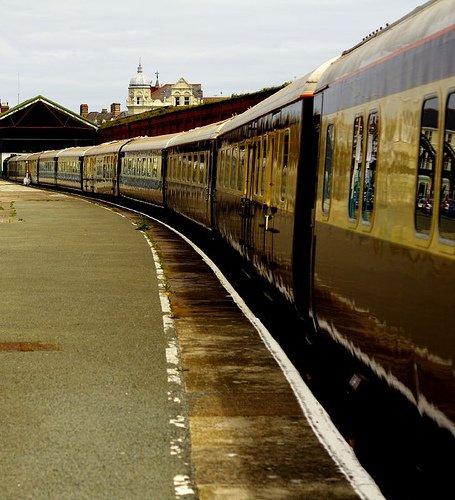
84	110
115	109
104	110
4	107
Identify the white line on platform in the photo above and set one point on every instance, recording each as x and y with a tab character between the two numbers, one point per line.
319	420
182	482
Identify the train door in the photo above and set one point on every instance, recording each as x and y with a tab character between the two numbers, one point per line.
247	199
270	195
89	169
204	161
305	237
261	217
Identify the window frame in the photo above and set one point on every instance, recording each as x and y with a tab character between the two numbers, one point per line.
368	223
421	234
355	219
443	239
326	213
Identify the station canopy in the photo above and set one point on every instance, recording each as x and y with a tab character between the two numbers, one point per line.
40	124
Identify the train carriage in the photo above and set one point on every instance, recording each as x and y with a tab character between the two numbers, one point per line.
69	167
259	157
142	169
190	173
17	167
47	168
385	221
100	168
32	167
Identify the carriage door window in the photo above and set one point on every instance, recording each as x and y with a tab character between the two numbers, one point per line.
240	156
263	165
428	151
447	199
370	168
202	164
221	167
252	169
328	169
257	168
356	167
285	167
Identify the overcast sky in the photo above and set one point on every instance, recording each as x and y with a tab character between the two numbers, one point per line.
87	50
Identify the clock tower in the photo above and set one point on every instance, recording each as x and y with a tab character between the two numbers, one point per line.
139	93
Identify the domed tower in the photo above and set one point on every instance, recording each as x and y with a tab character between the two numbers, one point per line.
139	93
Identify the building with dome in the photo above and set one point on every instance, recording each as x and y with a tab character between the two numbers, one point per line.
143	95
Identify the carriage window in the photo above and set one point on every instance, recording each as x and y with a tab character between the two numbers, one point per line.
233	170
225	167
447	198
328	169
273	154
428	151
206	160
195	168
154	161
285	167
201	168
257	167
370	168
252	166
179	160
240	156
175	167
186	168
170	168
182	161
221	169
356	167
263	164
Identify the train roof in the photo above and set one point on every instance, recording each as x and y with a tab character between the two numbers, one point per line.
289	94
198	134
148	143
106	148
34	156
423	22
18	157
75	151
47	155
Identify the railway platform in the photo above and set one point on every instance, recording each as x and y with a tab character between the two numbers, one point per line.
129	371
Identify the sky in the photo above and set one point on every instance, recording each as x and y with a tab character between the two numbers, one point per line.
86	51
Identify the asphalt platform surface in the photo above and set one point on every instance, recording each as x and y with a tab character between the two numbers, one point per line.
83	380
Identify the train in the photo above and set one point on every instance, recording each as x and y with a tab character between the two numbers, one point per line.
339	190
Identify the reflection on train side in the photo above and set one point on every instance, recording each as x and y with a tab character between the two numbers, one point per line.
447	198
427	164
